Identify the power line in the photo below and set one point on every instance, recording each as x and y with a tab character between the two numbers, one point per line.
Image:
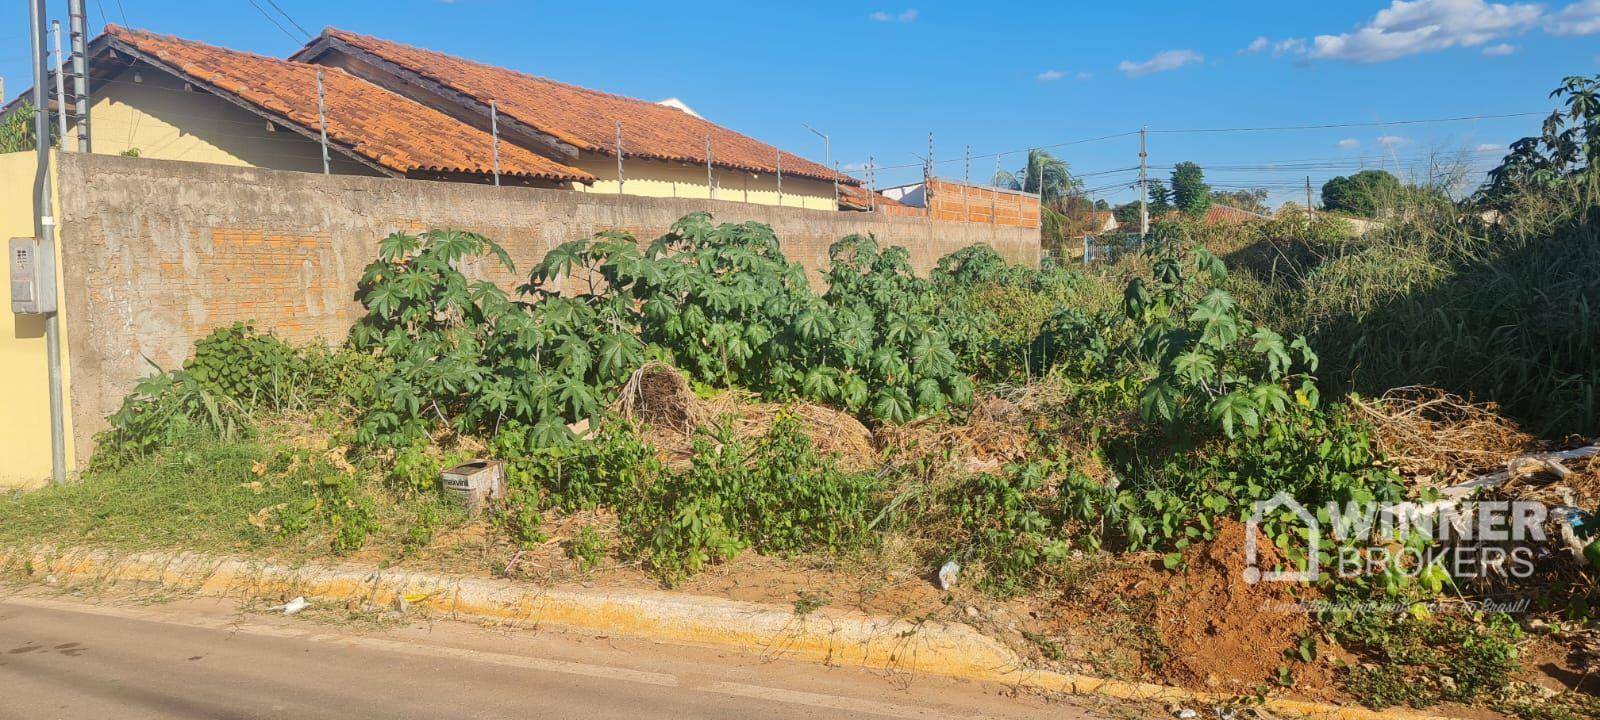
291	20
273	20
1327	126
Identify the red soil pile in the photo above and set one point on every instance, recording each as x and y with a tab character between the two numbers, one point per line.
1224	633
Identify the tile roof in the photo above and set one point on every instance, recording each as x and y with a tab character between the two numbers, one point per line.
586	118
853	197
369	121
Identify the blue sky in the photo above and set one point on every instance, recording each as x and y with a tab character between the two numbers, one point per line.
880	76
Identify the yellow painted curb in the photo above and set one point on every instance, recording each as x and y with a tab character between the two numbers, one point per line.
823	635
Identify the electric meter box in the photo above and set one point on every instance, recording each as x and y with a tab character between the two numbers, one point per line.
33	276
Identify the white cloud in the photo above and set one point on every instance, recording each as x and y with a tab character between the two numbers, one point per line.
1162	62
1289	46
905	16
1488	148
1085	74
1050	76
1501	50
1579	18
1390	141
1257	45
1409	28
1349	144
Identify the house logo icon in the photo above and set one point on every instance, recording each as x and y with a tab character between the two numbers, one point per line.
1252	572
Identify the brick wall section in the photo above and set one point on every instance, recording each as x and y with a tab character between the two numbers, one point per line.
1009	209
158	253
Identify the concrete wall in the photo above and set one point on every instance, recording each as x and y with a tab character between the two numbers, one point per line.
654	178
156	116
25	412
157	253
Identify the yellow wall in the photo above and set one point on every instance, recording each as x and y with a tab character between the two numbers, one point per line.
158	117
652	178
25	412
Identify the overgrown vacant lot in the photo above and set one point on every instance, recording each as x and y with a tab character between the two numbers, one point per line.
1083	445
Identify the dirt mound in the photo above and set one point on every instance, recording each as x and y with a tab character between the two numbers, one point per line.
1441	439
1225	633
659	397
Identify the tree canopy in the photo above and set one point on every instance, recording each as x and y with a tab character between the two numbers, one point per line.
16	129
1364	193
1189	190
1568	148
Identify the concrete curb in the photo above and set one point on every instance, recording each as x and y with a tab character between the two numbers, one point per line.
824	635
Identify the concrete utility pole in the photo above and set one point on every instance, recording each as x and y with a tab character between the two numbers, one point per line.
61	86
1144	212
1309	211
77	33
494	140
322	122
711	182
44	227
619	156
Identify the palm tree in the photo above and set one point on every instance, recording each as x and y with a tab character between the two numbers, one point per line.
1044	174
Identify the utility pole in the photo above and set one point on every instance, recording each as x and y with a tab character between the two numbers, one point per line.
1309	210
322	122
827	159
61	86
711	183
44	226
1144	212
494	139
77	32
619	156
966	182
872	183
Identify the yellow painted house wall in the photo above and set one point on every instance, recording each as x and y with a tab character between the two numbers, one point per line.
25	418
654	178
155	115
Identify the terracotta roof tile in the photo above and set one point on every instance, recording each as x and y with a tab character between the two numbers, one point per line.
586	118
371	122
859	198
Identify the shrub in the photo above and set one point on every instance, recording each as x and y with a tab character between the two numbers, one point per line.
777	494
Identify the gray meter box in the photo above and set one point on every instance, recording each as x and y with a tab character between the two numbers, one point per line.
33	276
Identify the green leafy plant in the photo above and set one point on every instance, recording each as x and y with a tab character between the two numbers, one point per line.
1211	363
587	548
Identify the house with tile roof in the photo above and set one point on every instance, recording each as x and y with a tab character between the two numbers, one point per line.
167	98
665	151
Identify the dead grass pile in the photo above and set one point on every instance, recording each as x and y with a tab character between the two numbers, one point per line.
995	433
1433	437
659	397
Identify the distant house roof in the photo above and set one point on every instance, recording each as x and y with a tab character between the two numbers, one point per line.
854	197
364	121
1216	214
578	117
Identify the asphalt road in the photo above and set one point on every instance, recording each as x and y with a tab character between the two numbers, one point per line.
62	657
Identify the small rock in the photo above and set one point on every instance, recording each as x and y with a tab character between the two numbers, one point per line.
1186	714
972	612
948	574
